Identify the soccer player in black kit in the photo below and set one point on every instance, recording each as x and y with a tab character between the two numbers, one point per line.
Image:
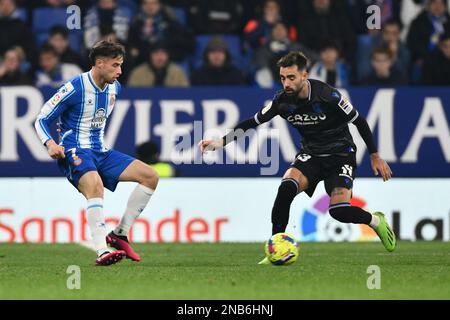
321	116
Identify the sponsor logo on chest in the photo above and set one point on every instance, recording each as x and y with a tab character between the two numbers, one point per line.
99	118
306	119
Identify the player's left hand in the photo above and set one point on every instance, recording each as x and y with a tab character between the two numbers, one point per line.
210	145
380	166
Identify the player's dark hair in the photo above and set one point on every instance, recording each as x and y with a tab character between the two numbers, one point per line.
106	49
294	58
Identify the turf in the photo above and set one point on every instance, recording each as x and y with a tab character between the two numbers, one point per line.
417	270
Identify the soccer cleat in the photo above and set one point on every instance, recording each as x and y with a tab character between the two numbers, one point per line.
385	233
109	258
264	261
121	243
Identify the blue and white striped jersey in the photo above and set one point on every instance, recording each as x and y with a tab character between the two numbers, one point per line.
82	108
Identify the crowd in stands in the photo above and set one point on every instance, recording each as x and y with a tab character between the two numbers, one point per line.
182	43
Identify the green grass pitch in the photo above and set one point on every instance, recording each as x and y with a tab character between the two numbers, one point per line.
416	270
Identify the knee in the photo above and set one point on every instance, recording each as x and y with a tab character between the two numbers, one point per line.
94	189
288	186
150	179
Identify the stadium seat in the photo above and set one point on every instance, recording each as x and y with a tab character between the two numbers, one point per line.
186	67
131	5
180	14
365	44
42	25
234	45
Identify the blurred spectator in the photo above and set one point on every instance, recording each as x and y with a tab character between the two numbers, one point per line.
324	22
52	72
383	73
436	68
9	9
153	24
426	28
329	68
390	38
258	32
59	39
266	57
13	32
148	153
217	68
410	9
158	71
107	13
215	16
10	72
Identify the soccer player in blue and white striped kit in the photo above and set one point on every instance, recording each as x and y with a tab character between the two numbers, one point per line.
82	106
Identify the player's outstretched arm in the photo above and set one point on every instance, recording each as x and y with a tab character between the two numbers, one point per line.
379	166
237	132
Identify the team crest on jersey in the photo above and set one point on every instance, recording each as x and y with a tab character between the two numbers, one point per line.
76	160
99	118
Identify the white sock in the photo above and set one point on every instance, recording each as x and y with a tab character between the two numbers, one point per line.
136	204
96	222
375	221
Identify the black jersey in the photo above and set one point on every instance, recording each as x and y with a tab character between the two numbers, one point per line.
321	119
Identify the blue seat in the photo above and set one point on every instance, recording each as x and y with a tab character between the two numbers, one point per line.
131	5
365	45
180	15
186	67
234	46
45	18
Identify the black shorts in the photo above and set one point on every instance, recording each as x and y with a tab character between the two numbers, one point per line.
334	170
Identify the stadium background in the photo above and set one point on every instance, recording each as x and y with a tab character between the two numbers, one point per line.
42	43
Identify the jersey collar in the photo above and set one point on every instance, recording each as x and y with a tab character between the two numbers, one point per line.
309	90
94	84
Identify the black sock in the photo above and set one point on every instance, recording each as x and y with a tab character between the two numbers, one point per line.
345	213
280	213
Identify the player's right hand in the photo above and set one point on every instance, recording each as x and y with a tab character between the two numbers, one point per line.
55	151
207	145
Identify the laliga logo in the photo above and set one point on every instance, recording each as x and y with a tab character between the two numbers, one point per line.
317	225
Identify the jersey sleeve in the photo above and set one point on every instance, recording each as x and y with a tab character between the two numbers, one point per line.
269	111
344	106
51	110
